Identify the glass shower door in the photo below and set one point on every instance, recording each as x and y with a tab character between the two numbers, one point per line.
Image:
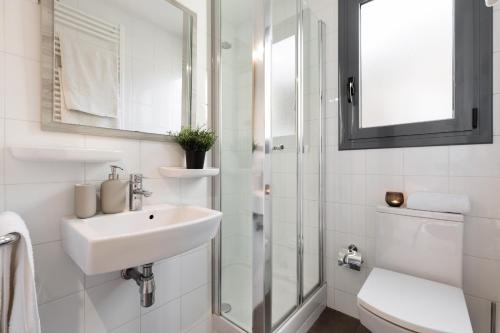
268	251
284	161
312	85
237	200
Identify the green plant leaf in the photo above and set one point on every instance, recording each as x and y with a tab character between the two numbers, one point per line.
195	139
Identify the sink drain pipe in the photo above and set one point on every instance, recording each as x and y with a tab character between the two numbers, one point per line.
145	281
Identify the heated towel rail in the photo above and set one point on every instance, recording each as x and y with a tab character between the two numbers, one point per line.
7	253
88	24
9	239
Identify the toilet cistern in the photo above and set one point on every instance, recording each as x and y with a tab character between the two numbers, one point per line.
410	289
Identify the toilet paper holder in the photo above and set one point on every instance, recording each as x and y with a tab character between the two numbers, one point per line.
350	258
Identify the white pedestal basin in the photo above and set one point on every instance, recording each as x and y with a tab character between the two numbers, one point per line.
107	243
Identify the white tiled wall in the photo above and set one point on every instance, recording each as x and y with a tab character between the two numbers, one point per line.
358	180
42	193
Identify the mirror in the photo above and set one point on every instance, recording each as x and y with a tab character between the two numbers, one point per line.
406	61
415	73
118	67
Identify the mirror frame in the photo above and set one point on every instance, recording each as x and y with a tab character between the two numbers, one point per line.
47	77
473	96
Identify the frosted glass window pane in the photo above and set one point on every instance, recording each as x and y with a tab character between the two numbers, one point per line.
406	50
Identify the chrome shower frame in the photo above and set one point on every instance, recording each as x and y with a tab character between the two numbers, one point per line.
262	223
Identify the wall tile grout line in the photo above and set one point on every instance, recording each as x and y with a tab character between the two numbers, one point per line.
56	299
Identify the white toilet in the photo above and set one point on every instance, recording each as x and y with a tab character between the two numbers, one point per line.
416	285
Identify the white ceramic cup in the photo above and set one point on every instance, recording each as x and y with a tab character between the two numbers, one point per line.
85	200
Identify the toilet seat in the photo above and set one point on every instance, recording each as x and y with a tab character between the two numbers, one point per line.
414	304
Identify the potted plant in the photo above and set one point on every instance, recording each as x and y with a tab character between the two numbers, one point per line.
195	142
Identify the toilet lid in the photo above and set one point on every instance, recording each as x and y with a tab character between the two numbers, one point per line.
415	304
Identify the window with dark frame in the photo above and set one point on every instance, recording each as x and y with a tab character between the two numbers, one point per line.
472	95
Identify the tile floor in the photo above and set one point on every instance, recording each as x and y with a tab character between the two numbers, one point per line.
331	321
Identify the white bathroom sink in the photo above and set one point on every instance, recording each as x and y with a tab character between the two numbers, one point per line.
106	243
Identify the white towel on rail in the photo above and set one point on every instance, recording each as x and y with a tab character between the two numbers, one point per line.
491	3
19	309
90	79
439	202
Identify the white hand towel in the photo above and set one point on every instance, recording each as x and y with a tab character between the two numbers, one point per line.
439	202
20	314
90	80
491	3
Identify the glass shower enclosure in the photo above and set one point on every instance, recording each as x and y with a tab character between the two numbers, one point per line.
267	98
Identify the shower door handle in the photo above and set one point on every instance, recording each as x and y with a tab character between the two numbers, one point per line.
267	189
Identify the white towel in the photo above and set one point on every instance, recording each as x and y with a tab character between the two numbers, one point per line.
90	78
491	3
87	119
439	202
19	304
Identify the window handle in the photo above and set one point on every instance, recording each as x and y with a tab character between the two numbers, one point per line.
350	89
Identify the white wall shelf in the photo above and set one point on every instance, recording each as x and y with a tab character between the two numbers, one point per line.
60	154
181	172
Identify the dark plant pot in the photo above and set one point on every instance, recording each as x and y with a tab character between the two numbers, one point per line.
195	159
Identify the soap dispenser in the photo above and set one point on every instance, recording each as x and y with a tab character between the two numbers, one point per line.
113	193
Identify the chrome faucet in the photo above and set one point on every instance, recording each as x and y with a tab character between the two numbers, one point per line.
137	192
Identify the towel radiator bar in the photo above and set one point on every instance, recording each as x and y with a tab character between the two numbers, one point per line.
9	239
87	24
7	255
84	22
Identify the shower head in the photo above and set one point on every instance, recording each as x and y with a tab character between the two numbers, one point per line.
225	45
